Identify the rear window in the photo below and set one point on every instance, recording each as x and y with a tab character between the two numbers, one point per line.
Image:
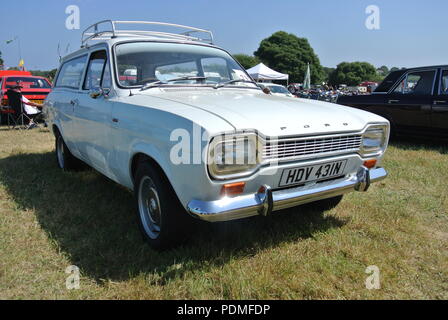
27	83
71	73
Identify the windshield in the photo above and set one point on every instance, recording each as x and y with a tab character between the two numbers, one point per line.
278	89
140	63
27	83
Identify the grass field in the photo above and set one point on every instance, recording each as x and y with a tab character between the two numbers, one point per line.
50	220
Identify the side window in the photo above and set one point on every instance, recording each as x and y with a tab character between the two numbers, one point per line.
444	83
95	70
417	83
71	73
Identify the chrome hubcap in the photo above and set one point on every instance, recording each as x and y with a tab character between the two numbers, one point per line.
149	207
60	152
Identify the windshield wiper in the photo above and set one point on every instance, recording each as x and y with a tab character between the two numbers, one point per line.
160	82
223	84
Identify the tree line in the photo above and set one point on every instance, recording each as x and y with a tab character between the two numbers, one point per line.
287	53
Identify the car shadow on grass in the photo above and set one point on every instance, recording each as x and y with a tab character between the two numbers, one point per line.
420	144
91	219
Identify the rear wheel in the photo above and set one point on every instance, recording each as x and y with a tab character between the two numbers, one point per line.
65	160
160	215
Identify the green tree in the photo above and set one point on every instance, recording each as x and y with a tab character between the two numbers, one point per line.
287	53
353	73
1	61
394	69
50	74
246	61
328	72
383	70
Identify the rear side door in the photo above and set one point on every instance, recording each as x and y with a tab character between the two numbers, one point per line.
439	116
93	113
64	98
409	102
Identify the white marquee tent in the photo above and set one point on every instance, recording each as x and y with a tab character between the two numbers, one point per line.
262	73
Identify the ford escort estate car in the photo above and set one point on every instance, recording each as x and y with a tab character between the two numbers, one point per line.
177	120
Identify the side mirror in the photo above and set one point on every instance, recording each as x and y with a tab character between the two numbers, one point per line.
96	93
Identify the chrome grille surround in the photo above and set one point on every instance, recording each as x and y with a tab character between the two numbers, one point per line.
284	149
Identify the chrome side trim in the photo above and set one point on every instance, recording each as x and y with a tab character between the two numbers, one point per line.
266	201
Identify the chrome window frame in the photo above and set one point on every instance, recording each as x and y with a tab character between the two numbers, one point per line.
93	50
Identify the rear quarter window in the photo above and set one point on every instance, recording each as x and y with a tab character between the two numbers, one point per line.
71	72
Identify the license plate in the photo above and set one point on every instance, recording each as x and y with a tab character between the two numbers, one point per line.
37	101
318	172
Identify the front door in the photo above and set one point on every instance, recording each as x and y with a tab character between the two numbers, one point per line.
93	114
410	102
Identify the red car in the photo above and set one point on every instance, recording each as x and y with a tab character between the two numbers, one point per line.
34	88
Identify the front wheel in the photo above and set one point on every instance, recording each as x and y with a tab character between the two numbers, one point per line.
159	212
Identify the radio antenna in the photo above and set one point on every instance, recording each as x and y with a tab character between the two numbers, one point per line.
59	51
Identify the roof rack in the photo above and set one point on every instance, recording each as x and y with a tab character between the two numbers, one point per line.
93	32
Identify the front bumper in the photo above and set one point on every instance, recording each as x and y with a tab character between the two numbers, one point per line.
266	201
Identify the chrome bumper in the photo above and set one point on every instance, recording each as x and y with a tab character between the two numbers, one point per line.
266	201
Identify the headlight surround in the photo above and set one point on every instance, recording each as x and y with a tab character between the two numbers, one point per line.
233	156
374	140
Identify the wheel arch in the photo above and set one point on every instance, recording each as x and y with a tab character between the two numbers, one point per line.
56	130
139	157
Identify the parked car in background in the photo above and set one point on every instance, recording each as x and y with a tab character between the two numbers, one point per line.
276	89
247	153
35	89
415	101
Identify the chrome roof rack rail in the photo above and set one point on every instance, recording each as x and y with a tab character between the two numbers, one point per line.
112	31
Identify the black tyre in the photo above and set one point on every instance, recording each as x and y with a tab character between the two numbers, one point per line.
162	219
64	158
326	204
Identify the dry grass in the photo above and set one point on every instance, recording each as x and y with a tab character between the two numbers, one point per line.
50	220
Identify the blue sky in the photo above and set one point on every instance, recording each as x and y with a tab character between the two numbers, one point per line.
413	33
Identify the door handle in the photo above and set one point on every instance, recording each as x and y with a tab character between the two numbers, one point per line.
439	102
426	108
394	101
74	102
115	120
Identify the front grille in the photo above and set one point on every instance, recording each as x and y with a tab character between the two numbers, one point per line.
307	147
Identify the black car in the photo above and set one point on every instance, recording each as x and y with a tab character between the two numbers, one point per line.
415	101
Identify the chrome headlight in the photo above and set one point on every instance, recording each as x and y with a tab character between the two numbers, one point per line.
374	140
233	156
